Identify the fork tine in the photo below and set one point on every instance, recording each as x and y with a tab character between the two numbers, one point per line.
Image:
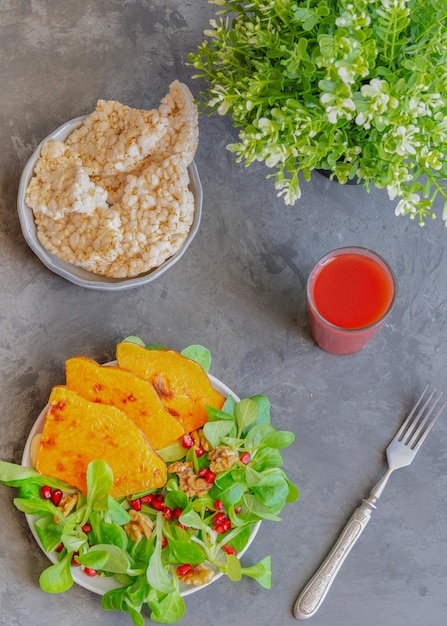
418	439
416	427
409	420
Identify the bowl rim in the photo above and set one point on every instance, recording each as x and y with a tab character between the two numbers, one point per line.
77	275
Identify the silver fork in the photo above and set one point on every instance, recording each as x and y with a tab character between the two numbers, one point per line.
400	453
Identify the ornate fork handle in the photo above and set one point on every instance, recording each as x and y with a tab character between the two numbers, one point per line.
315	591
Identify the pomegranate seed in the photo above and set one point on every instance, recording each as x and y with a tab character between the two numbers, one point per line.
210	477
229	549
245	458
45	492
207	474
158	501
199	451
74	561
182	526
177	512
238	509
164	541
60	547
168	513
136	504
147	499
182	570
86	528
222	528
187	441
219	505
56	496
219	518
90	571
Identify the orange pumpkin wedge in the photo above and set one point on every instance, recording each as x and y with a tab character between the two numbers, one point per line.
181	384
131	394
77	431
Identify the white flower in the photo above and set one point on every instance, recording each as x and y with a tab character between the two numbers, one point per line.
405	144
337	107
363	120
407	205
374	88
276	155
347	75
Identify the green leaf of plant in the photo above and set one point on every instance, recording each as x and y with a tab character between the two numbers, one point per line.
73	543
156	573
169	610
293	494
233	568
134	339
232	494
48	532
261	572
115	600
36	507
93	558
186	552
13	475
215	431
111	534
99	483
118	560
256	436
137	618
57	578
263	406
279	439
116	512
173	452
246	414
199	354
176	499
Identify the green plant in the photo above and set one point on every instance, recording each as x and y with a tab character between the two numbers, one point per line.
355	87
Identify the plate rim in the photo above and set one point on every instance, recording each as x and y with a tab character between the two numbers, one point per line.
109	583
63	268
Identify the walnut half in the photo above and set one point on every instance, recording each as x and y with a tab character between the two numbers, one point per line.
66	506
222	458
139	526
190	483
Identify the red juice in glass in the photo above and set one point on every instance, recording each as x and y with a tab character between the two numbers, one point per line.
350	293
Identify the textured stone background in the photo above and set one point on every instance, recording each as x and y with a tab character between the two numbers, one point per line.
239	290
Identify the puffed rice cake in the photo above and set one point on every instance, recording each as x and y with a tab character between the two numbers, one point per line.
114	198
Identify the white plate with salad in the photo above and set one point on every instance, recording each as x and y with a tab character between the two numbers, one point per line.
101	585
205	534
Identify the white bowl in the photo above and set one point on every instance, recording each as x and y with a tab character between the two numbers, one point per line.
78	275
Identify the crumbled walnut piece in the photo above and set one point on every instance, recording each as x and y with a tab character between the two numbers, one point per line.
200	440
222	458
66	506
139	526
190	483
199	575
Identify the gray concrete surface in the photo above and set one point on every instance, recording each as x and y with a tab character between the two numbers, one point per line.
239	290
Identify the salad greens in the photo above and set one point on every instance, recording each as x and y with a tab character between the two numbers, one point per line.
355	88
189	535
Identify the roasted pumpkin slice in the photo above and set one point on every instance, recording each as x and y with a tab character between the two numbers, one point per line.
128	392
182	385
77	431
